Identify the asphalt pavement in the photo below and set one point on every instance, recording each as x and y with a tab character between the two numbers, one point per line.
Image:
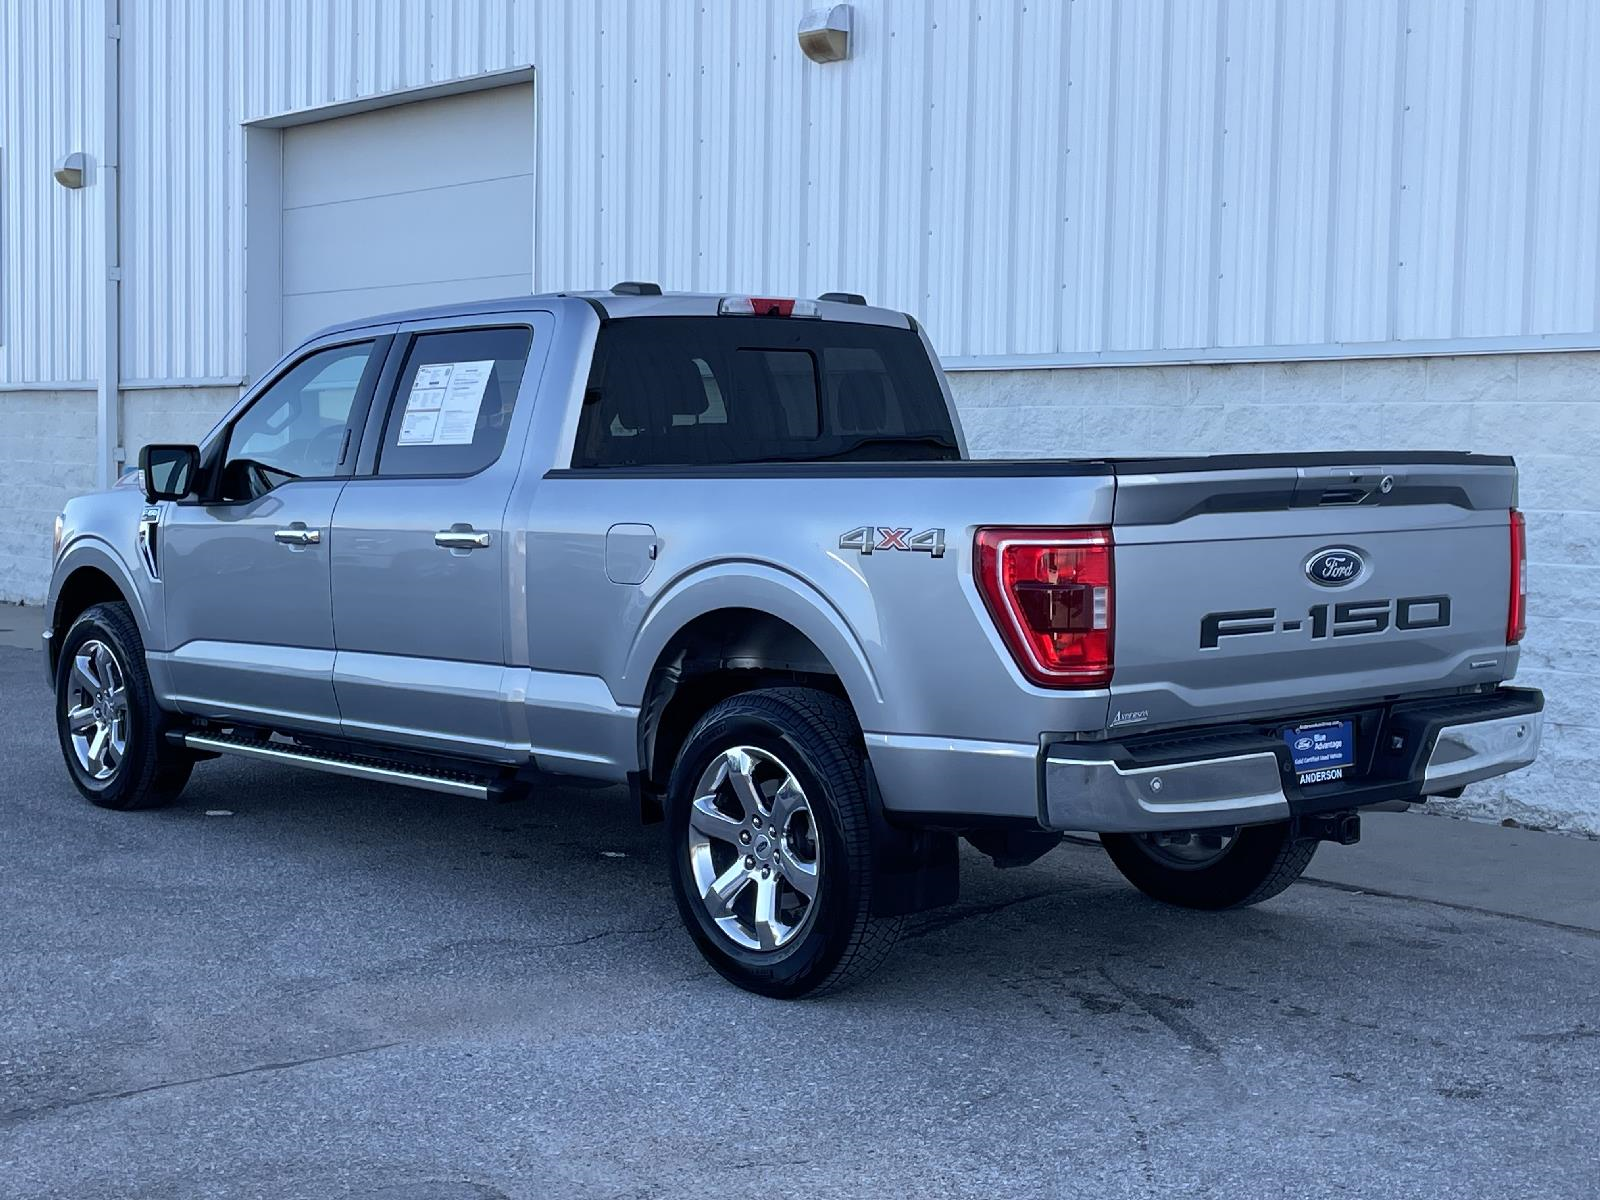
292	985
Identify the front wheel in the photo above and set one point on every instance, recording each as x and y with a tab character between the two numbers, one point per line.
769	844
107	719
1212	868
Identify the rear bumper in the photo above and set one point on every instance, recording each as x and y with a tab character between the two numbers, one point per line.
1244	775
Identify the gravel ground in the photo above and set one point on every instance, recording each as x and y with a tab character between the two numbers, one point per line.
291	985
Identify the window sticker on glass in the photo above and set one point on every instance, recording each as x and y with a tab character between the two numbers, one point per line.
442	409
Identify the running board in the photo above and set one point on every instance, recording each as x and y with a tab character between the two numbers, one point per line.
355	767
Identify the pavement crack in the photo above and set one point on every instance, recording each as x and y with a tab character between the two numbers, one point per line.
1163	1011
605	933
1352	889
17	1116
1559	1037
1142	1146
958	915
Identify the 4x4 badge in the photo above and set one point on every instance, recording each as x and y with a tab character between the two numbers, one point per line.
864	539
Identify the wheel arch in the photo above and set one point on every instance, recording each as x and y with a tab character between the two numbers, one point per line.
733	626
716	654
88	575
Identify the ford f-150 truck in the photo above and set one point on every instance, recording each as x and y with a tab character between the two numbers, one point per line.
731	551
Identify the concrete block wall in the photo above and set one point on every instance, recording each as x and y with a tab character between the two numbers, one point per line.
1543	408
47	448
171	415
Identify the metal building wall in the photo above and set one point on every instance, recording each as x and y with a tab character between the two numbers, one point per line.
1042	181
182	190
50	255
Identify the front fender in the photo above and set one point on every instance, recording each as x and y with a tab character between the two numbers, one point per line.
88	551
765	588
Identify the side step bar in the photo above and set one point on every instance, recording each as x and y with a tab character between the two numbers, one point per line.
349	765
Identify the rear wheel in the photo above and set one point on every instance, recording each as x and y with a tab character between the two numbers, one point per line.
1212	868
770	847
107	720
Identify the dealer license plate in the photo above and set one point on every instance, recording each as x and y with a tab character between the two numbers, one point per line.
1323	750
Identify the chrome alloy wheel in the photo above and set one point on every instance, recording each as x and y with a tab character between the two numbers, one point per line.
754	849
97	710
1188	850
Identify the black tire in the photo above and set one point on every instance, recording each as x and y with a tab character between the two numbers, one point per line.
815	737
1261	861
149	772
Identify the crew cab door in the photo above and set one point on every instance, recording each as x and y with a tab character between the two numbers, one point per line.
419	565
244	570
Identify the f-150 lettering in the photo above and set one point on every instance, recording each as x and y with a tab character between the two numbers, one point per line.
1348	619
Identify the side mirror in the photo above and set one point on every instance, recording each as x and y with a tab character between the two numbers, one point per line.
169	471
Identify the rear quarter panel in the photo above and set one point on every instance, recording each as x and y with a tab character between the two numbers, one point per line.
907	632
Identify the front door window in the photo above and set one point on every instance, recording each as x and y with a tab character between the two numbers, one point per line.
299	427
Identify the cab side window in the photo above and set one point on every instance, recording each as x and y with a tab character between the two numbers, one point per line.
453	402
297	428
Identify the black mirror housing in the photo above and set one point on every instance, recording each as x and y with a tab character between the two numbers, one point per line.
170	472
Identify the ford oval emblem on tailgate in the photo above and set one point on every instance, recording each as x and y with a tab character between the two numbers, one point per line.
1335	566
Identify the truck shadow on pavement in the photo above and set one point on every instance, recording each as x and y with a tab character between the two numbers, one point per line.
572	872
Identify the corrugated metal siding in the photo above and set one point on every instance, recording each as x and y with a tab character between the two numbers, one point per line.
1116	178
50	252
182	190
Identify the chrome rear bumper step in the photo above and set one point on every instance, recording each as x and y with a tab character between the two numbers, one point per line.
352	766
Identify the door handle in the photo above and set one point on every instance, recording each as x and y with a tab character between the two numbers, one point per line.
460	537
297	535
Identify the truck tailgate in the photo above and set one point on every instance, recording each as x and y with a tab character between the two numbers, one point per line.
1275	585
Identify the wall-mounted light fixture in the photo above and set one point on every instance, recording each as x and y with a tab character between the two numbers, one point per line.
72	170
825	34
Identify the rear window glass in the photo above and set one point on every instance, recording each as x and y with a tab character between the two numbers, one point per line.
454	402
696	391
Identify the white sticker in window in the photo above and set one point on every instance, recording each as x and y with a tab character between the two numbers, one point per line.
417	428
442	409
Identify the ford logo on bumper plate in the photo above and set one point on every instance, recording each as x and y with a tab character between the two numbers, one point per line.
1335	566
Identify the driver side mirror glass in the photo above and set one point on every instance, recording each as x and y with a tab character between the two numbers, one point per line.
169	471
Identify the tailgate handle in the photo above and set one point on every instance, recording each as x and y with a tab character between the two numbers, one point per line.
1342	485
1343	496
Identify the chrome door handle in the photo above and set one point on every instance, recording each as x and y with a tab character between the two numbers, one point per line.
297	535
460	537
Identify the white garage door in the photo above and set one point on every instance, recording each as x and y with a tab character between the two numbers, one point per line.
422	203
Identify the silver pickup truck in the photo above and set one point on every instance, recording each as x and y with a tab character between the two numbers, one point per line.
731	552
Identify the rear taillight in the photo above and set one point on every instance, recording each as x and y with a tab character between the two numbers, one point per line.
1050	593
1517	609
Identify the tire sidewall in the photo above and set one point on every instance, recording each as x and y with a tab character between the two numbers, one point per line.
97	624
1228	881
812	956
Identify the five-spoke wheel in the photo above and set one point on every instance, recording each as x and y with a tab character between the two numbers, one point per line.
111	729
97	712
770	843
753	848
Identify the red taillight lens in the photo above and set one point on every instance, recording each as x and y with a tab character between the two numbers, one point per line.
1049	591
1517	609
